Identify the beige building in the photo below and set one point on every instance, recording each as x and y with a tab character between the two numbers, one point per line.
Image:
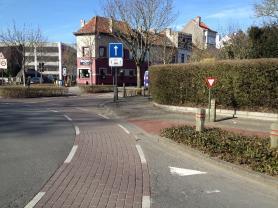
202	36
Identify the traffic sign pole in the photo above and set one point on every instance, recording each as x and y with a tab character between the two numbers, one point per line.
209	106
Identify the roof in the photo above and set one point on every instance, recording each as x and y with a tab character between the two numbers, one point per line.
100	25
203	25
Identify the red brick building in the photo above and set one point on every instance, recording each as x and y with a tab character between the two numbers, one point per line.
92	55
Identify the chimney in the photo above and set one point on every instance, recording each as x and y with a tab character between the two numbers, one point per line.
82	23
111	24
198	20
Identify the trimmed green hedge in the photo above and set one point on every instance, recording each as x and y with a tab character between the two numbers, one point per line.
241	84
253	152
32	91
96	88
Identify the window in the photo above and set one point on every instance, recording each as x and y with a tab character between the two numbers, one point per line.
85	51
130	56
102	51
129	72
182	58
84	73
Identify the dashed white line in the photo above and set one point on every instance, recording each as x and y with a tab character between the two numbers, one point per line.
213	191
103	116
77	131
141	154
146	202
54	111
71	154
126	131
82	109
68	118
35	200
184	172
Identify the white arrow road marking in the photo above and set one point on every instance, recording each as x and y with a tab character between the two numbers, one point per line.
35	200
71	154
213	191
184	172
116	50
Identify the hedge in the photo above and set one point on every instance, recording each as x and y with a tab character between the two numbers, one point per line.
96	88
241	84
32	91
252	152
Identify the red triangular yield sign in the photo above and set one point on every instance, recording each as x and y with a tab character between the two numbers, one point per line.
210	81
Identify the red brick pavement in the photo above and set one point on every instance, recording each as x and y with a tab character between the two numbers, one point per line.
155	126
106	171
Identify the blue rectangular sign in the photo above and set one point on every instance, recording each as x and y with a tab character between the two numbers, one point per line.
116	50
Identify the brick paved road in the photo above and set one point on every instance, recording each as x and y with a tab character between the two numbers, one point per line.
106	170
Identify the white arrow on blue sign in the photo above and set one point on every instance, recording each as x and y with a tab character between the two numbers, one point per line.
116	54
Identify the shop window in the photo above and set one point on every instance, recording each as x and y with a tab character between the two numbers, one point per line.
129	72
103	73
85	51
84	73
102	51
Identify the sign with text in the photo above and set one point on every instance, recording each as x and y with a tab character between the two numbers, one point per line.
116	54
210	81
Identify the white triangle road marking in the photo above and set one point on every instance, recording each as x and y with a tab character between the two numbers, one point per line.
184	172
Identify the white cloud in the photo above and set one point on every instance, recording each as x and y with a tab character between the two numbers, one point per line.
236	13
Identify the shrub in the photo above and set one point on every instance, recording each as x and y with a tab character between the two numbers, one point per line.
253	152
32	91
241	84
96	88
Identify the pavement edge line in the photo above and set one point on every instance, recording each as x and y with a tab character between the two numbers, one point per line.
35	200
126	131
67	117
71	154
146	202
141	154
77	130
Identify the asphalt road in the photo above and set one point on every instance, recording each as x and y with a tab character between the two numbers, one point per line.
216	187
34	142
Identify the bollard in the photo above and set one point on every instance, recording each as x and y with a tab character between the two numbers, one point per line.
143	92
274	135
200	119
213	110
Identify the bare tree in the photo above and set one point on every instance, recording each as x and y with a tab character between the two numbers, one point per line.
23	40
140	19
267	8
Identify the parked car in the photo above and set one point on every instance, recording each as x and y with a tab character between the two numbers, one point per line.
36	80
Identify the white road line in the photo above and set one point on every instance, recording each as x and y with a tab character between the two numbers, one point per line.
68	118
184	172
54	111
82	109
103	116
71	154
146	202
77	131
213	191
141	154
126	131
35	200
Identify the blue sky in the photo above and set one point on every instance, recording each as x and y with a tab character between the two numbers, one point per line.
58	19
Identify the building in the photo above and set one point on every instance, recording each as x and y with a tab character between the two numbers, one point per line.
53	56
94	37
92	41
182	42
202	36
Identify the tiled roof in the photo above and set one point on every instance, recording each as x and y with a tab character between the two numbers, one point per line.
203	25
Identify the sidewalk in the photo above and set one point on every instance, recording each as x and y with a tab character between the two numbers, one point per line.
142	112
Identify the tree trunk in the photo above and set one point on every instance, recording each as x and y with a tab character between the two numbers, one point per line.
138	76
23	77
